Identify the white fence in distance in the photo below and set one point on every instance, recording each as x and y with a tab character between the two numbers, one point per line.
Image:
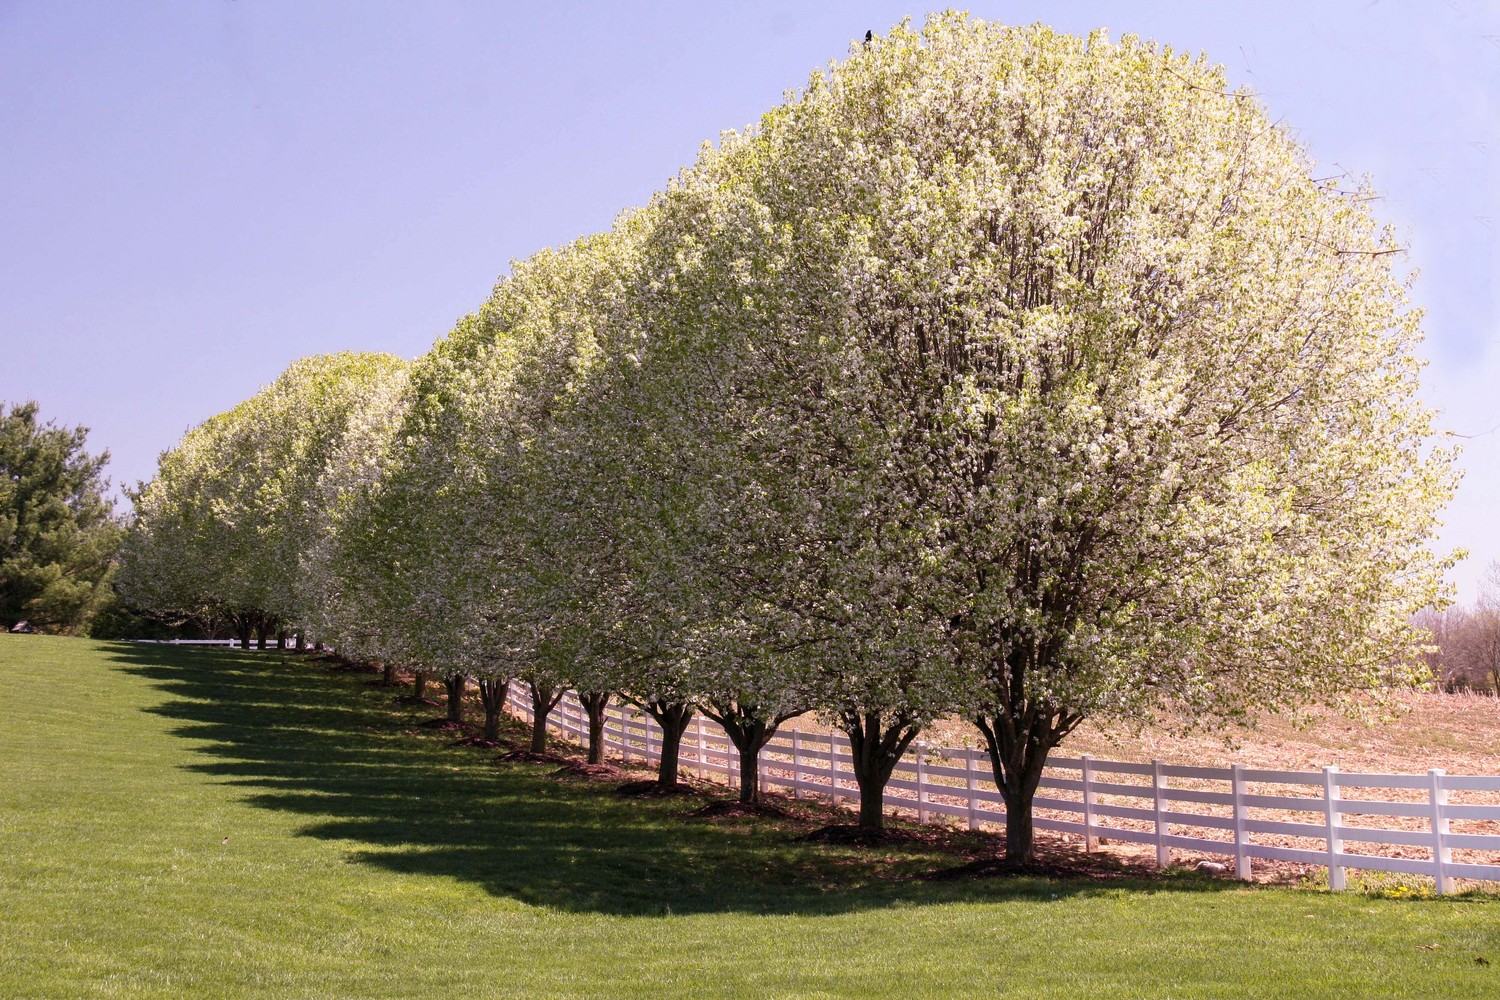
1209	810
231	643
193	642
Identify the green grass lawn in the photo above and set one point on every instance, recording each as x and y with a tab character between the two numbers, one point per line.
367	856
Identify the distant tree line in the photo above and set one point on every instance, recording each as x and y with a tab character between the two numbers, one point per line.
1465	651
1001	373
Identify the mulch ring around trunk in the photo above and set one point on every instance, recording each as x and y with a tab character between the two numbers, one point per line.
446	725
1065	865
347	667
734	809
922	838
530	757
652	789
597	772
479	742
851	835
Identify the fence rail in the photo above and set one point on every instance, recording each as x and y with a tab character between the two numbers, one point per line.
1208	810
255	645
190	642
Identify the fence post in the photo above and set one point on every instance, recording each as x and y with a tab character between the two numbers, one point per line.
1241	837
971	778
796	763
1159	803
761	770
921	782
702	760
625	711
1089	840
833	768
646	729
1335	819
1442	855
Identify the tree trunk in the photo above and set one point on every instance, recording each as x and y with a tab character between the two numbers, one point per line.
750	775
455	684
281	639
1018	743
749	732
595	703
242	631
419	685
673	718
301	642
671	757
544	698
389	677
876	747
1020	832
260	634
492	694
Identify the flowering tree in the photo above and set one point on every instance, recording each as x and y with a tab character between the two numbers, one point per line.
342	570
408	536
193	548
236	508
301	425
1064	390
171	558
768	536
750	684
600	593
479	515
1001	371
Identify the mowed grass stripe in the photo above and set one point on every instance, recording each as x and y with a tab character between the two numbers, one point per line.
368	857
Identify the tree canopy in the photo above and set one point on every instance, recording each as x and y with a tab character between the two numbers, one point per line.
220	532
1000	372
58	531
1049	383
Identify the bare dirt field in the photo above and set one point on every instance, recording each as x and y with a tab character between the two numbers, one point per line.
1458	732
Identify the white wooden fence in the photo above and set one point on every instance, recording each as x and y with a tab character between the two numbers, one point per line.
1428	824
234	643
193	642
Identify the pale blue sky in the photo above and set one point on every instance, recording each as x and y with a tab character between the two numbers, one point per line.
194	194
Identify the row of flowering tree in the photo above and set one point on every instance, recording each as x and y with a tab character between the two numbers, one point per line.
1000	373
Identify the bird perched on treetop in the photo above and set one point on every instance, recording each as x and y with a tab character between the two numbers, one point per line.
869	37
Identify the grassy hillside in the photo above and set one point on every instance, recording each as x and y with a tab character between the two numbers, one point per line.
206	823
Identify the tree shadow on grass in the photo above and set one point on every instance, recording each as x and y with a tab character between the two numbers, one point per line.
303	739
